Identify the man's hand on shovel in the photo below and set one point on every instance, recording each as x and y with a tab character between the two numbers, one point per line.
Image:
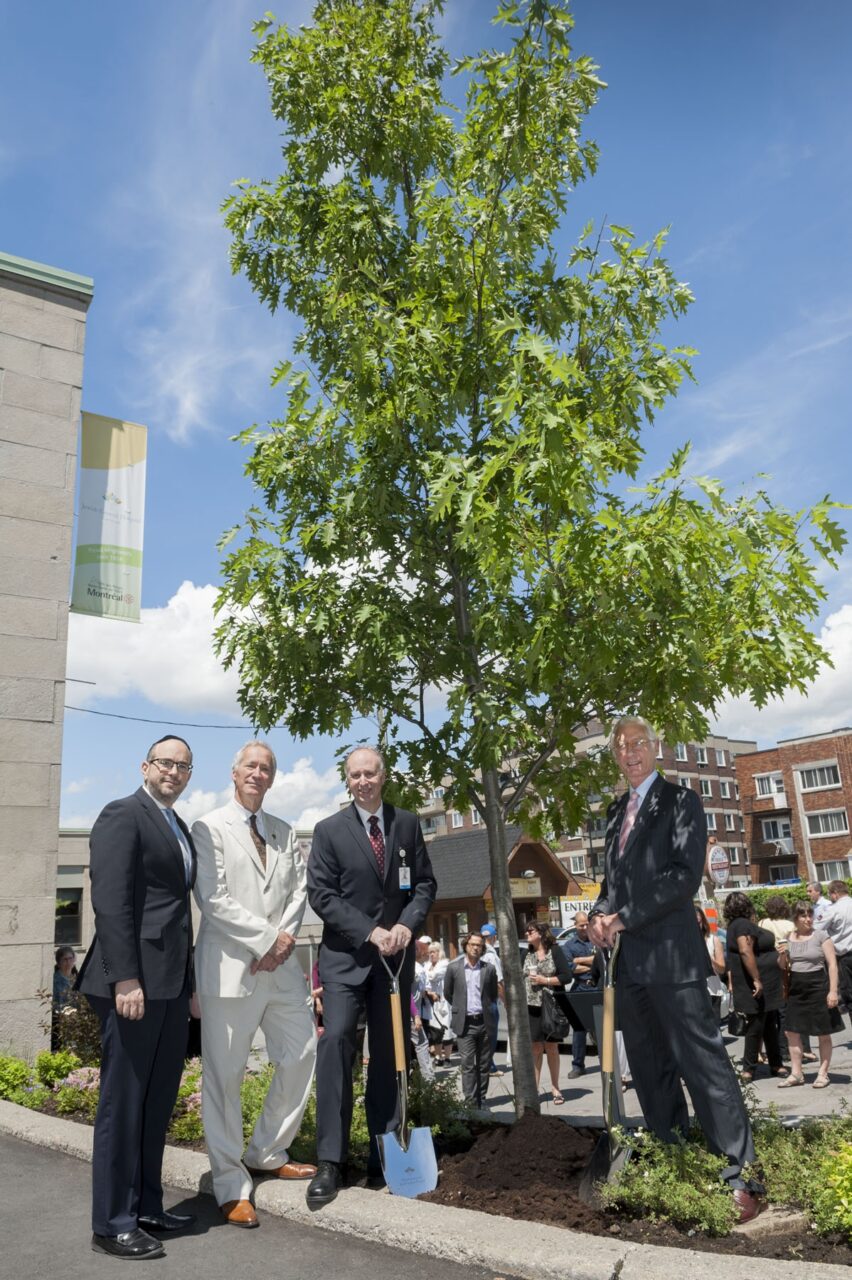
391	941
602	929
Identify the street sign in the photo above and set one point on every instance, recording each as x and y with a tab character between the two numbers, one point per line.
719	866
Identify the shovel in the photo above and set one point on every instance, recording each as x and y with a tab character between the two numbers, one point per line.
407	1155
611	1153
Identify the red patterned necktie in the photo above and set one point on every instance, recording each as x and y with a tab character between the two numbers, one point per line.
377	840
628	821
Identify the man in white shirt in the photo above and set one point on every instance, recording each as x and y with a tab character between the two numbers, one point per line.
837	923
251	890
821	904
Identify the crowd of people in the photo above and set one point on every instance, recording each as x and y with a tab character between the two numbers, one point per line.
370	882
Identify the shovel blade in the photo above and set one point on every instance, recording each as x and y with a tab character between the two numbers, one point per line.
412	1172
606	1163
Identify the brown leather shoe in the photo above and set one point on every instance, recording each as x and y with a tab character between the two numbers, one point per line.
292	1169
239	1213
748	1205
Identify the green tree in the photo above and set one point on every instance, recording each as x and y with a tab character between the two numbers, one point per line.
446	516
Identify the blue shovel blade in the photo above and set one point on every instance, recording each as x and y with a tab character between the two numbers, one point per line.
412	1172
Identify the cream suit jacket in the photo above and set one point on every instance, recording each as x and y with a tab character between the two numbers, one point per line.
243	908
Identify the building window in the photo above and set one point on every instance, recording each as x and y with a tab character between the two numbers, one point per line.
659	748
787	871
706	788
734	857
711	822
578	864
437	793
457	818
832	822
776	829
720	757
682	781
769	784
826	775
474	817
746	858
701	755
729	822
680	751
724	789
68	926
836	870
736	791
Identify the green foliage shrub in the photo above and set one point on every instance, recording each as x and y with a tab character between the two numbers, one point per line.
14	1074
832	1204
677	1183
79	1092
185	1124
435	1105
50	1068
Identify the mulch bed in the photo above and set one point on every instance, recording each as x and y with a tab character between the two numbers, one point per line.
531	1171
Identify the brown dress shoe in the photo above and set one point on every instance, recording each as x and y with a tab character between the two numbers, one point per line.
748	1205
292	1169
239	1213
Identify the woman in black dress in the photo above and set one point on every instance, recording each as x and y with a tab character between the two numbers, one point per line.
756	980
545	965
811	963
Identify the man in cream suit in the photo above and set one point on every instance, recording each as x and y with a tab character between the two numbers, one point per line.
251	890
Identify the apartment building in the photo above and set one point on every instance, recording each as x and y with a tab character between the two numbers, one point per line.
796	798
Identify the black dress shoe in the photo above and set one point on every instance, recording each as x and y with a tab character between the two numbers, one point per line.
130	1244
166	1221
325	1184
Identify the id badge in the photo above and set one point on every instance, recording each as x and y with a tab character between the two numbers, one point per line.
405	877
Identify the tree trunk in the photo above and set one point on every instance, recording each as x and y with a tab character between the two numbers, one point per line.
526	1091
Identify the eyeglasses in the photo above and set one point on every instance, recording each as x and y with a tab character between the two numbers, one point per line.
638	744
532	929
166	766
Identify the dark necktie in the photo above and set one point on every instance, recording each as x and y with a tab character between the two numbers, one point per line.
377	840
259	842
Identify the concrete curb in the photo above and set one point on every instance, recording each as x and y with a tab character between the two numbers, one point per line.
530	1250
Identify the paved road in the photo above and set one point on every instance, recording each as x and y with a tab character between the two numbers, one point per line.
45	1216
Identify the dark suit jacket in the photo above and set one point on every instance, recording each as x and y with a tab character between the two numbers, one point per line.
351	898
143	926
455	992
652	885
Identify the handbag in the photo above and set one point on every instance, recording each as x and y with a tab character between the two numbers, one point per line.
554	1023
737	1023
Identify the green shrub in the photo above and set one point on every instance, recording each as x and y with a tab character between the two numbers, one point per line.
34	1096
435	1105
832	1203
14	1074
50	1068
678	1183
78	1092
185	1125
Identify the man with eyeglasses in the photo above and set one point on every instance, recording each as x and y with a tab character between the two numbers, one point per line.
656	837
137	978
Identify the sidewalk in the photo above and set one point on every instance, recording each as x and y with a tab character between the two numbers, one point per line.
582	1104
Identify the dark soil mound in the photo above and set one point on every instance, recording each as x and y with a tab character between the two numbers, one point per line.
531	1171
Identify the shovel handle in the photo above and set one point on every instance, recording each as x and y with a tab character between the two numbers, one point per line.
396	1023
608	1046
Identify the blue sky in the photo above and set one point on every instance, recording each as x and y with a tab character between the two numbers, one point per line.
121	131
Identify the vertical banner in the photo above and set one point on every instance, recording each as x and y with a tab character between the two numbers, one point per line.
108	565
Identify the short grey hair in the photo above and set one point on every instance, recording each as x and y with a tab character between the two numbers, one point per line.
624	721
255	742
365	746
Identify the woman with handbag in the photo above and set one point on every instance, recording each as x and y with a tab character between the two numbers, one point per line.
716	958
809	963
546	972
756	984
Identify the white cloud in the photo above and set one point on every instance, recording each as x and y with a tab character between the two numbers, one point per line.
301	795
168	658
828	704
79	784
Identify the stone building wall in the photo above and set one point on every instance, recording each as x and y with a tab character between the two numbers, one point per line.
42	336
